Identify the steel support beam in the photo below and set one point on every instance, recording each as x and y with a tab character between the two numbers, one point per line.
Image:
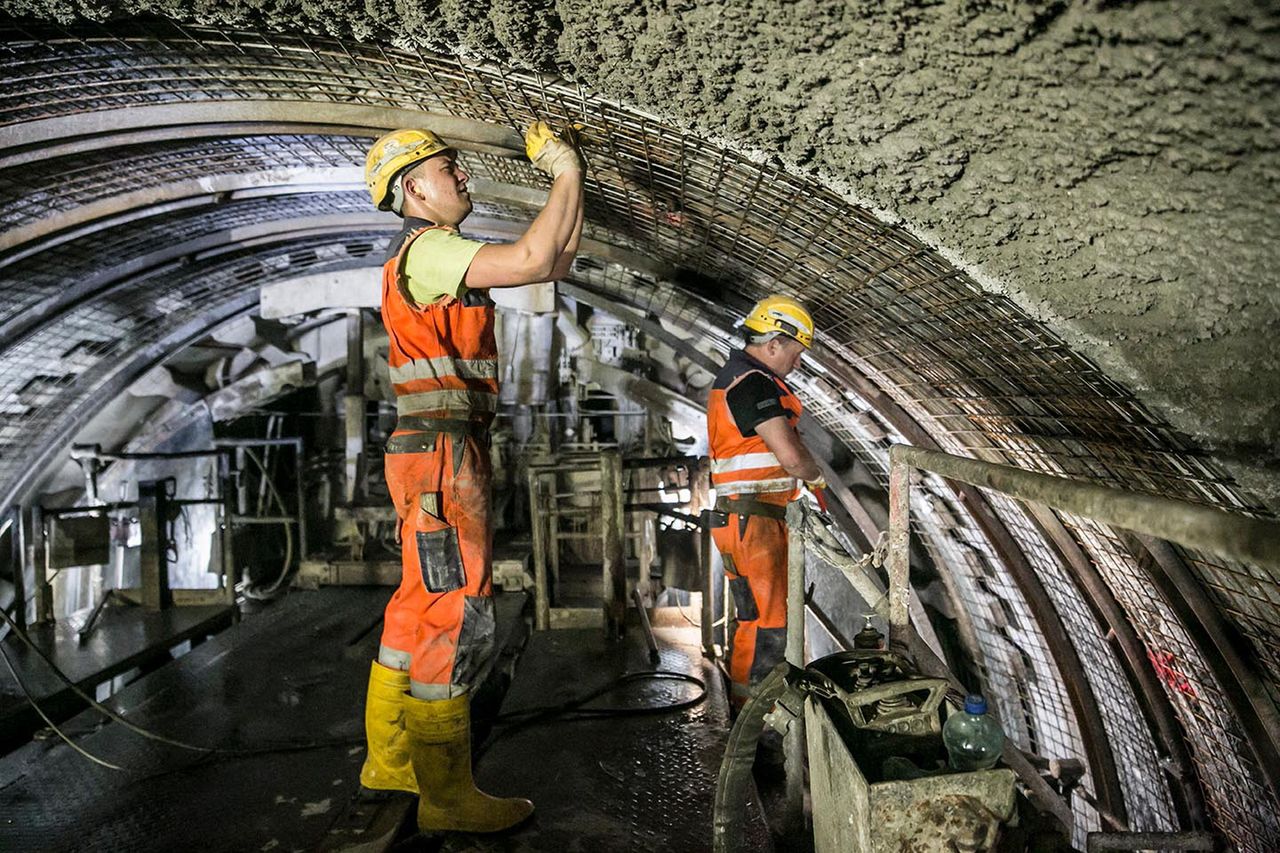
793	742
1079	690
1151	698
1153	518
1227	534
153	518
614	564
62	431
353	401
148	201
1224	651
104	280
84	132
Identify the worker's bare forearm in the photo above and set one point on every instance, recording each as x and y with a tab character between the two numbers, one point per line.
536	255
786	444
806	468
552	231
565	261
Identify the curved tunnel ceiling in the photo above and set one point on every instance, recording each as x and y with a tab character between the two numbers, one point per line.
201	164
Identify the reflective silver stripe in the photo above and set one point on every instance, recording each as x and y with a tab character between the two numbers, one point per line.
751	487
394	658
435	692
434	368
449	400
743	462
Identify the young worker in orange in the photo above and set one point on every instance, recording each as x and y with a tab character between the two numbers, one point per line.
758	461
437	640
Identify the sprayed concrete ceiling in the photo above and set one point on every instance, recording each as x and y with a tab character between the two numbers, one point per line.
1112	168
956	125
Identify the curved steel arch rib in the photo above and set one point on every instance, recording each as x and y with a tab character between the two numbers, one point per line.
964	369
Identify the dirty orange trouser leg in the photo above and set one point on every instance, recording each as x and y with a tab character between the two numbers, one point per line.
755	562
441	616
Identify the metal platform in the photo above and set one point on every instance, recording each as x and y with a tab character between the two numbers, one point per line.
272	686
283	690
123	638
640	783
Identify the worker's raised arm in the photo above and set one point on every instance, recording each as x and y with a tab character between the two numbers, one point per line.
565	262
547	248
785	443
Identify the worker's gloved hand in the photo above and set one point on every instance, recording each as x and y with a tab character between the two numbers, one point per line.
551	153
818	487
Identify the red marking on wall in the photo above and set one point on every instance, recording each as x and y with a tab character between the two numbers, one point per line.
1163	662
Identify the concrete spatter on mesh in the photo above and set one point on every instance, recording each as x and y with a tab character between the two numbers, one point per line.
1111	170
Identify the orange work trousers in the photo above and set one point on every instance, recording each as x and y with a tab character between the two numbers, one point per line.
441	616
754	551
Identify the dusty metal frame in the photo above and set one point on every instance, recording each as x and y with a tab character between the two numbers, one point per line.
1149	516
821	255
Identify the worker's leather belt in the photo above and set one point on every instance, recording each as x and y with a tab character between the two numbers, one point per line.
750	506
423	439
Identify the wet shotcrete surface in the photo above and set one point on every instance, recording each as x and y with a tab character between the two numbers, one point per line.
1111	167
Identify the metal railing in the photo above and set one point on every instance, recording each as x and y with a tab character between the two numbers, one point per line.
1156	521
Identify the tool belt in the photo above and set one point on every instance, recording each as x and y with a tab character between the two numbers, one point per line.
423	439
750	506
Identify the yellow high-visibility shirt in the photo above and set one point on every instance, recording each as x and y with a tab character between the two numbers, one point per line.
437	264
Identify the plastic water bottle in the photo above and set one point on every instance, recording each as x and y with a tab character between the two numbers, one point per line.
972	737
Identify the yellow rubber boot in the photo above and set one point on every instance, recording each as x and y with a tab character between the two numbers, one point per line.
387	766
440	744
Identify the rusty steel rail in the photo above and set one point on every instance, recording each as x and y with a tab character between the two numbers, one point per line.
1156	521
1238	537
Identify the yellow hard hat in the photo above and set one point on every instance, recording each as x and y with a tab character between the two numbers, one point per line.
781	314
392	153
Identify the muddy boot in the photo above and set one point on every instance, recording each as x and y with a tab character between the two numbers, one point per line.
387	766
440	745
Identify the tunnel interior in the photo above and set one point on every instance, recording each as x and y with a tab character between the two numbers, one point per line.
189	255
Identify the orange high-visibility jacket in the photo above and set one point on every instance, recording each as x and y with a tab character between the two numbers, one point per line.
743	464
443	356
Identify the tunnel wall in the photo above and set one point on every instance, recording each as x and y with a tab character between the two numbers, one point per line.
1111	167
974	372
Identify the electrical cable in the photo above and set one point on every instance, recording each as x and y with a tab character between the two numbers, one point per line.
514	721
270	592
50	723
93	703
206	751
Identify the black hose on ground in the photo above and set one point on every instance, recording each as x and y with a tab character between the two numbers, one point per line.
513	721
733	783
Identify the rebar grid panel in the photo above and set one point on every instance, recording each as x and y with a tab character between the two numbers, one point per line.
1242	806
1018	671
1249	597
37	191
971	368
48	374
1146	786
45	274
1011	655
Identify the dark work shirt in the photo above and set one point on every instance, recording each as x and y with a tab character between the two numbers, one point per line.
755	399
411	224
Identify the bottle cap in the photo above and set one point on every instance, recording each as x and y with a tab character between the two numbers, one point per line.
975	704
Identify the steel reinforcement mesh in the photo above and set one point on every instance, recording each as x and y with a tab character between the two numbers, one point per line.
998	631
978	374
41	191
1138	761
52	374
1218	746
44	276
